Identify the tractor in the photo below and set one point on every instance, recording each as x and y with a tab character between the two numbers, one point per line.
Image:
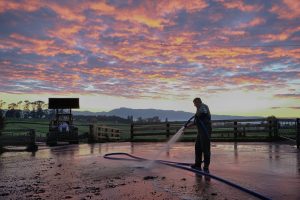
61	127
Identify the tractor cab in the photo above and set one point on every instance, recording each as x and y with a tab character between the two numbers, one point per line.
61	127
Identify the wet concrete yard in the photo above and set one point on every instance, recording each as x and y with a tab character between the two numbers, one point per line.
81	172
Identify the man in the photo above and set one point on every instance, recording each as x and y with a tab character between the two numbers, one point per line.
63	127
202	120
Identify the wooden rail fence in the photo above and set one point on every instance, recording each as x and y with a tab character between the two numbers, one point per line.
271	128
241	128
103	133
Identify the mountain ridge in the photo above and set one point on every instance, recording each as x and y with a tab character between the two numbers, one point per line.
170	115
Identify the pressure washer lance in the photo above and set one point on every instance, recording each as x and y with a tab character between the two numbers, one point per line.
187	123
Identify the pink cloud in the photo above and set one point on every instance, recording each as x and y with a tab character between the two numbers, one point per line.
284	35
240	5
252	23
29	45
288	9
146	49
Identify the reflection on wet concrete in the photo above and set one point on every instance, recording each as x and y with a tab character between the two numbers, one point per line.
81	172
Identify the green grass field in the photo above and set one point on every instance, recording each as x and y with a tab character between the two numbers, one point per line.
41	126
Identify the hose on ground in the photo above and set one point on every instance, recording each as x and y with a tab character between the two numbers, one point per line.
184	166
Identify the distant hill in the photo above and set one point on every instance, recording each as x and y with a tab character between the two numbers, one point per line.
162	114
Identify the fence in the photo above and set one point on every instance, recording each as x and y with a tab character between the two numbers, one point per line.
102	133
262	128
41	127
19	137
298	133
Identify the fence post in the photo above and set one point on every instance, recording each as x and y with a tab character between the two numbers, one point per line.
32	137
275	127
1	147
167	129
91	137
235	129
270	127
298	133
131	131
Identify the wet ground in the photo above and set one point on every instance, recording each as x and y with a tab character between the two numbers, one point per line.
81	172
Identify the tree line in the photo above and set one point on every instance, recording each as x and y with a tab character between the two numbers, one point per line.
39	110
25	109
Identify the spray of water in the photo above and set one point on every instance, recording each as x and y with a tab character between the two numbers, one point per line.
166	147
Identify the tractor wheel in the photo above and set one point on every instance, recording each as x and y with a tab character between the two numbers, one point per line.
51	139
74	142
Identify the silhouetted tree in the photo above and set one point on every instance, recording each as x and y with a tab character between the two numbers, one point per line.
274	120
26	108
33	110
2	103
39	107
18	105
272	117
154	119
12	111
140	120
130	118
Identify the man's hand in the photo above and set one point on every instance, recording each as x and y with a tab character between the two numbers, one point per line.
187	125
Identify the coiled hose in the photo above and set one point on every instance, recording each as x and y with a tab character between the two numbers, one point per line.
185	166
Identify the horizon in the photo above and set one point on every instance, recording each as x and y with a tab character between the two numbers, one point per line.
81	110
240	57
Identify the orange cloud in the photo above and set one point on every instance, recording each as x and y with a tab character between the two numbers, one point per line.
166	7
288	9
247	79
39	47
98	6
67	12
67	33
281	36
254	22
240	5
142	14
148	13
10	5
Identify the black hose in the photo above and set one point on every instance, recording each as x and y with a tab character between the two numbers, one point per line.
185	166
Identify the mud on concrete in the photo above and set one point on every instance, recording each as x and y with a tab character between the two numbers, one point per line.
81	172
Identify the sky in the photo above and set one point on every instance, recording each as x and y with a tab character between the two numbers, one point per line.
240	57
